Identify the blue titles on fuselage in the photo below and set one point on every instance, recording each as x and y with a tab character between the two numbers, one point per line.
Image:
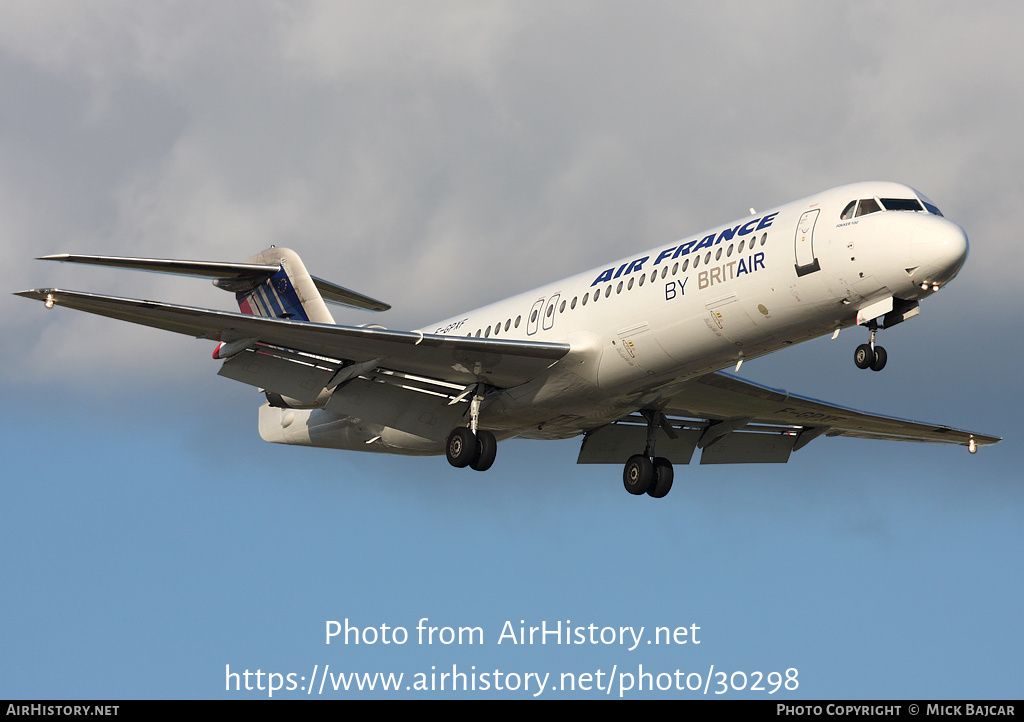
714	239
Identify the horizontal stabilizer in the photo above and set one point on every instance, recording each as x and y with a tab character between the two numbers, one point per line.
231	275
332	293
200	269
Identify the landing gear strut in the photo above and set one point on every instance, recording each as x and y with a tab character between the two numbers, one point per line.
473	447
869	355
646	473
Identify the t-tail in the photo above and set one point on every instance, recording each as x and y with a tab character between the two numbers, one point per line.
289	293
274	283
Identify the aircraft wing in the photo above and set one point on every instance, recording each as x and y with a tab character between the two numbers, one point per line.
324	350
722	397
733	421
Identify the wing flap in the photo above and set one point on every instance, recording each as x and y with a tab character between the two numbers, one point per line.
300	381
740	447
501	363
614	443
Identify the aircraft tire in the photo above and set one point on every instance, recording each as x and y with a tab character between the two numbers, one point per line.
864	356
461	447
880	358
661	484
637	474
486	450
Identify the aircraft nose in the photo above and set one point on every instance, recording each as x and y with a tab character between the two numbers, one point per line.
939	248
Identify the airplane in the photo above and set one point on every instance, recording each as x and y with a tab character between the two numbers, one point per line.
631	355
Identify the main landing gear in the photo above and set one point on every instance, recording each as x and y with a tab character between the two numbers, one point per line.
646	473
868	355
477	451
472	446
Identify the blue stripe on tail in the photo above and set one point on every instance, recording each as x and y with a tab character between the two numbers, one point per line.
274	298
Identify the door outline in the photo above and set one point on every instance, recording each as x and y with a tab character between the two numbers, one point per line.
534	318
550	312
803	243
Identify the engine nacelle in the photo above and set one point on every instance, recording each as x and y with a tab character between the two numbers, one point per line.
318	427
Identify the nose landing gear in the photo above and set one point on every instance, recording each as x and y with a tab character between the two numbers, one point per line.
868	355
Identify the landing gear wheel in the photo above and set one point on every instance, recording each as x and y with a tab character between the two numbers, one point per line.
486	450
864	356
461	448
661	484
880	358
638	474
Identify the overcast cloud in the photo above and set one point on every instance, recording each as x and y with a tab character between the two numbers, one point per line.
439	155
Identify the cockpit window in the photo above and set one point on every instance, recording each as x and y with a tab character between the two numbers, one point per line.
902	204
867	205
855	209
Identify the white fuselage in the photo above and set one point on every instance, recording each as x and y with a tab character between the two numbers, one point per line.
642	326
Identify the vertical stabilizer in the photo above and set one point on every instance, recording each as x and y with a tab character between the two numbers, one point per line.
289	293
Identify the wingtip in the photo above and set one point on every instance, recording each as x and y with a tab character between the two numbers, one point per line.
54	257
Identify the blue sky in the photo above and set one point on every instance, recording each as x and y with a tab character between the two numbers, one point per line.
150	538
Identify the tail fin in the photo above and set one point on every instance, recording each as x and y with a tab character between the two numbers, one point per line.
289	293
